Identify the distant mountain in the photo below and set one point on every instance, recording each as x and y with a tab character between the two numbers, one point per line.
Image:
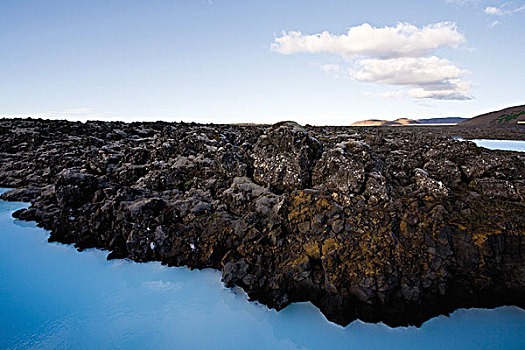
407	121
378	122
369	122
450	120
507	116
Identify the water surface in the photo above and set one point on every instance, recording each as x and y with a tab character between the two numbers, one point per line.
51	296
505	145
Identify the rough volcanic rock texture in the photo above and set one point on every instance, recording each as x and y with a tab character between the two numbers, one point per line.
283	157
386	224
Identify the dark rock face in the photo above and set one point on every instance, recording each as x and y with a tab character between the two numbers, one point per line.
495	188
74	188
283	157
342	169
383	224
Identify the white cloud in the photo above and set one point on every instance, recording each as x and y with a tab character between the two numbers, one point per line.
503	9
365	40
408	70
456	90
519	9
390	55
431	77
494	11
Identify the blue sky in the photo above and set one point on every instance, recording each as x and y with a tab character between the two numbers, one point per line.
260	61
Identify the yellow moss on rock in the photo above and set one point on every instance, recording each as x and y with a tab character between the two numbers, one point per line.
312	249
329	246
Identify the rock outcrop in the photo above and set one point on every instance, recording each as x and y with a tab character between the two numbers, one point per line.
382	224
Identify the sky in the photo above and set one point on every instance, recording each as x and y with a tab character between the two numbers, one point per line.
232	61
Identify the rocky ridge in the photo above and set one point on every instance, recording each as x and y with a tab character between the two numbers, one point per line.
382	224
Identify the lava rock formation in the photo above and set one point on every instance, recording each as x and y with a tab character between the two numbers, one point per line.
382	224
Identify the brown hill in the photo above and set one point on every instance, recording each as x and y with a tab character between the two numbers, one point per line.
377	122
507	116
405	121
370	122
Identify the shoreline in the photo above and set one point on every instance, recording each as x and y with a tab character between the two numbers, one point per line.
365	225
245	295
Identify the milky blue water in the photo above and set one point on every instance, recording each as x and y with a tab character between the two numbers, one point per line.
51	296
506	145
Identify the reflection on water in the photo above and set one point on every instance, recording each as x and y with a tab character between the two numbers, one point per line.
54	297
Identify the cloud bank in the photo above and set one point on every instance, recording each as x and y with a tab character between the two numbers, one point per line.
430	77
389	55
400	41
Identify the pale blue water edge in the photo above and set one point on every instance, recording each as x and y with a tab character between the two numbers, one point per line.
505	145
51	296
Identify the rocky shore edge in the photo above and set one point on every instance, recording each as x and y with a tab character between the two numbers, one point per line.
382	224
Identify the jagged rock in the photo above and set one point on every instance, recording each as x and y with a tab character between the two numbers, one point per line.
230	163
234	272
479	165
376	187
383	224
444	171
74	188
520	189
495	188
342	169
284	155
22	194
429	185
